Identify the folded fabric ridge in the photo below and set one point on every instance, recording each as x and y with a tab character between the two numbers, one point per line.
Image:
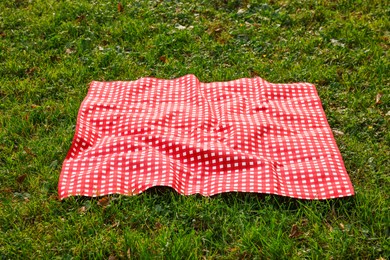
245	135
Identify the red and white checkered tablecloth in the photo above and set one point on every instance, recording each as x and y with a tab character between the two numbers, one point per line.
245	135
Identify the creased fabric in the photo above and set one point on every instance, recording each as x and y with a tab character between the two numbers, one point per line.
245	135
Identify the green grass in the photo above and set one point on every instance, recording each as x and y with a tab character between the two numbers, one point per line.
50	51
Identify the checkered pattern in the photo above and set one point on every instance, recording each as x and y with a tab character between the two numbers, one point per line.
246	135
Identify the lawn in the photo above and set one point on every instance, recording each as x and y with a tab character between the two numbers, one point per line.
49	52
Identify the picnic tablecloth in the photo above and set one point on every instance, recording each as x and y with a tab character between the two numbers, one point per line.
245	135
